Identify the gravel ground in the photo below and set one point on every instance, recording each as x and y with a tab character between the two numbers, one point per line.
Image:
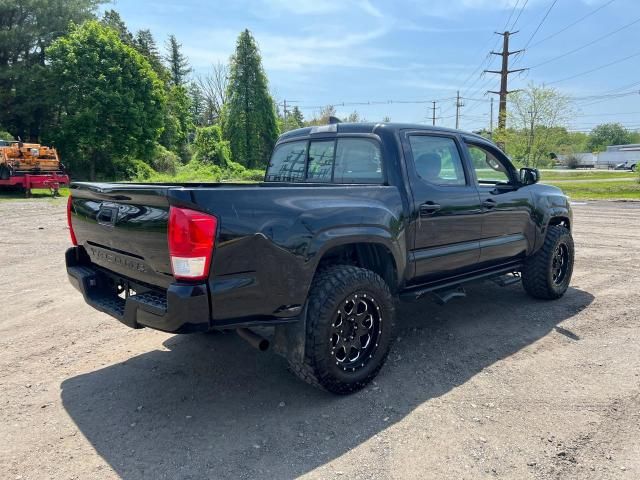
496	385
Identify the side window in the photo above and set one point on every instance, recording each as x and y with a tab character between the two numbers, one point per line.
320	161
287	162
488	168
437	160
358	160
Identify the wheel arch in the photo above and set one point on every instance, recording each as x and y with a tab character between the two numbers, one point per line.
562	220
376	253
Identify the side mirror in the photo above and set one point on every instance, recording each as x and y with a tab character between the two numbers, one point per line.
529	176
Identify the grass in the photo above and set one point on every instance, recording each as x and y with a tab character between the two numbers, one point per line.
605	190
547	175
43	193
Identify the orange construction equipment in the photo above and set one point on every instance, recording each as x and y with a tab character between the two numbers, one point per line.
31	165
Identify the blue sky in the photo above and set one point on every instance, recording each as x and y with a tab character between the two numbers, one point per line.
318	52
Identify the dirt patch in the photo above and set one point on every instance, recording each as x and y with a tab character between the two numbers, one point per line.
494	385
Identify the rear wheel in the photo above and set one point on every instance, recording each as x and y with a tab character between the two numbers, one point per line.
350	320
547	273
4	172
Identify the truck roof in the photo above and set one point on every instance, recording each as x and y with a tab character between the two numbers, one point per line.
371	127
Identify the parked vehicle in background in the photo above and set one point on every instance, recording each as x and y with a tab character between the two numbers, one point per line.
350	219
626	166
617	157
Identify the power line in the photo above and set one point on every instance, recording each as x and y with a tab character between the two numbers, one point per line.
513	25
495	44
584	17
513	10
540	24
367	103
615	62
586	44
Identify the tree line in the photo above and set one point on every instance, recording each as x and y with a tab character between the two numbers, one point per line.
117	105
114	103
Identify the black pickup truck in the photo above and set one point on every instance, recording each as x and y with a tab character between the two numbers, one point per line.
349	219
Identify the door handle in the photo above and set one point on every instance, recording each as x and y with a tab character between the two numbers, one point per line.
429	208
489	203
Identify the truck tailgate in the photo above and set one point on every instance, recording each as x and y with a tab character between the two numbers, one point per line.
123	228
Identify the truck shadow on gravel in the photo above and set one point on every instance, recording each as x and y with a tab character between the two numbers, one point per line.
212	407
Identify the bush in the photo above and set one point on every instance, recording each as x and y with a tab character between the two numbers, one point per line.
165	161
209	146
139	171
253	175
572	162
4	135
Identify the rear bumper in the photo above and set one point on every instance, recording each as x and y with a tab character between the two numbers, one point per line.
182	308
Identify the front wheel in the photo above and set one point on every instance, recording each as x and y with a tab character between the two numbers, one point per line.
350	323
547	273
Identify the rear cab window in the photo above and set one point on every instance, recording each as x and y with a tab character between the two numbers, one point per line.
345	160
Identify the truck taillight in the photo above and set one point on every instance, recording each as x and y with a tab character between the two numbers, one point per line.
191	242
71	232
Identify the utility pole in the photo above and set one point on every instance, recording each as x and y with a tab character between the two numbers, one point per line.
491	121
433	115
504	76
458	105
284	102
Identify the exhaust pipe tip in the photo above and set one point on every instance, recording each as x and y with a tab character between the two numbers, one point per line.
252	338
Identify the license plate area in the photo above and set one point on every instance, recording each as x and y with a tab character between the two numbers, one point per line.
124	290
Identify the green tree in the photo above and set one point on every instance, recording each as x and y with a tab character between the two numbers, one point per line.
197	104
27	28
608	134
294	120
536	115
110	99
178	63
113	20
210	147
146	45
250	122
322	118
178	122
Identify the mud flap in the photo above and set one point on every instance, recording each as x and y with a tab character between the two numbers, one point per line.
289	340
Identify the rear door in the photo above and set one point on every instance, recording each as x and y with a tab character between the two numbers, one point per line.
446	206
508	227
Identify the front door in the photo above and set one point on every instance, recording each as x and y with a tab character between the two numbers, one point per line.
508	228
446	206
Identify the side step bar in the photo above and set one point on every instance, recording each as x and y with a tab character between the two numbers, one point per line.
446	295
453	283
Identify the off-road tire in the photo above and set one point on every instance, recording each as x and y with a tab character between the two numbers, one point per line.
538	272
329	290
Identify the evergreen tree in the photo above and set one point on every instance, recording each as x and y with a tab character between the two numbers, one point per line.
250	122
197	104
178	122
294	120
178	63
146	45
297	116
113	20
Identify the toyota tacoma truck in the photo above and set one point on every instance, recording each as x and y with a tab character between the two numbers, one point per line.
349	220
